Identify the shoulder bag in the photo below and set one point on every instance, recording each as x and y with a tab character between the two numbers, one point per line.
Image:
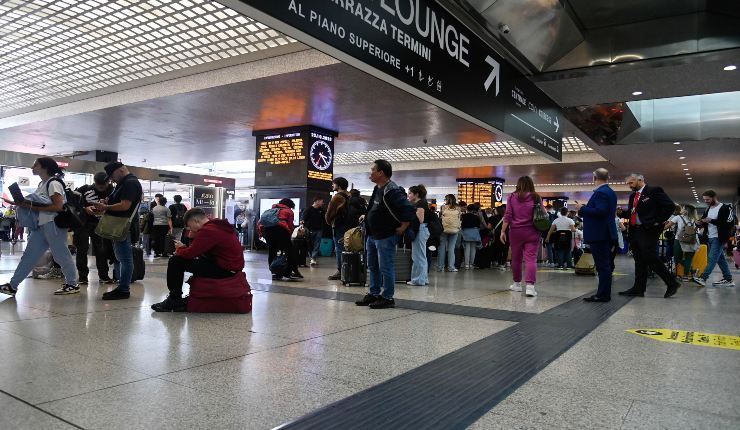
115	228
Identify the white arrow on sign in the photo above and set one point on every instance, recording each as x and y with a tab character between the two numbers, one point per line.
557	125
495	74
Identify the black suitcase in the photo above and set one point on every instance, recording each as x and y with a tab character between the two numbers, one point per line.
139	267
353	269
402	261
301	250
169	244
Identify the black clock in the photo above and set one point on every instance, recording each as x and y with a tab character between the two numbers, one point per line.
321	155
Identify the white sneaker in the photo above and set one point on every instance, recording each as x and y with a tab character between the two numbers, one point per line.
516	286
530	291
701	281
313	262
723	283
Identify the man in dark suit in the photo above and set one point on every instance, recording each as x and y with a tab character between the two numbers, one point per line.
649	207
600	232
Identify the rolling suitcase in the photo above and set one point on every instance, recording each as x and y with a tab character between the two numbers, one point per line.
139	267
301	250
227	295
353	269
402	261
326	247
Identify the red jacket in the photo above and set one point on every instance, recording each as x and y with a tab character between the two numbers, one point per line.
218	241
285	216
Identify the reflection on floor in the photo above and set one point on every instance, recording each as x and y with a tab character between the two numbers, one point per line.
78	362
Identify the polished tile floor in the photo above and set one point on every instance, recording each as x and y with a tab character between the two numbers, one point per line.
78	362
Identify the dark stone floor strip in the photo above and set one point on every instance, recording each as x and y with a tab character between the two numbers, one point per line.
442	308
455	390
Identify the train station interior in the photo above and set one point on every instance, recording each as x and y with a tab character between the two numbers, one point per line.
233	105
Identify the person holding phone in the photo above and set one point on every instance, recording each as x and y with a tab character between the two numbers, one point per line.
215	252
44	205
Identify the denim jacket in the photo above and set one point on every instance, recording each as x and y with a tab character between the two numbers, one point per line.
27	217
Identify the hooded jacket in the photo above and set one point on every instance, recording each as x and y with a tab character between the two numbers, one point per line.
285	216
217	241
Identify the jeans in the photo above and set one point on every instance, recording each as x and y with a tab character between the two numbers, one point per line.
205	267
563	257
470	249
550	253
716	257
124	268
177	232
602	254
381	255
447	243
315	237
339	245
53	238
419	273
146	242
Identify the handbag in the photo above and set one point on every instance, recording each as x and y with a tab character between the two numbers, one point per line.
115	228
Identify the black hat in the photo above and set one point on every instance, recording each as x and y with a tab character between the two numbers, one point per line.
112	167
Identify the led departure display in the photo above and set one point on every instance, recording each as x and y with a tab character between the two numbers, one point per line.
486	191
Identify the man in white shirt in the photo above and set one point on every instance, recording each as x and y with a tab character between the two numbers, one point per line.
718	220
563	228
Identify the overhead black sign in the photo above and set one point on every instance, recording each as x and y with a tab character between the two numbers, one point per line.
205	198
421	45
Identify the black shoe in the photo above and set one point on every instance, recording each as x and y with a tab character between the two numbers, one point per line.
276	277
632	293
365	301
335	277
82	282
596	299
171	304
8	289
116	294
672	290
296	274
382	303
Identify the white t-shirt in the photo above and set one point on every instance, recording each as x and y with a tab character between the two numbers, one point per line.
562	222
713	214
55	187
681	223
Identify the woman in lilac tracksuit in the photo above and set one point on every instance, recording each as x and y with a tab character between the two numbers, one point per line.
523	236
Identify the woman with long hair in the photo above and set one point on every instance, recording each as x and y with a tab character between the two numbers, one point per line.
419	273
683	252
523	237
47	201
450	216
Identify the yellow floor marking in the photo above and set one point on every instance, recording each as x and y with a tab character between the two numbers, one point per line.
690	337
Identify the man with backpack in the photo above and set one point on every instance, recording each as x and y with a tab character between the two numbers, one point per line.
388	216
91	194
718	220
337	217
178	210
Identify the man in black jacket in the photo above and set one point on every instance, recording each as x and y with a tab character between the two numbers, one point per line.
388	216
99	190
717	221
649	208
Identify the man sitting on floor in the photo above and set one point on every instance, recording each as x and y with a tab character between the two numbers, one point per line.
215	252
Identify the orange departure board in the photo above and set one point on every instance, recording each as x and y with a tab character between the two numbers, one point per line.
476	193
283	149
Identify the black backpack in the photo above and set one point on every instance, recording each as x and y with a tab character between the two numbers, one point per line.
72	213
178	215
356	207
434	224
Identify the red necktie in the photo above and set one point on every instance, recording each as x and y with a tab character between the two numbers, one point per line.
633	216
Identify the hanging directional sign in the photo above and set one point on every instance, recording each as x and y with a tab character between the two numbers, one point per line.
420	47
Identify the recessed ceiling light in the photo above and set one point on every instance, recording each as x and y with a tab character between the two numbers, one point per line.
676	143
681	158
685	170
688	174
683	164
689	178
730	67
679	150
636	93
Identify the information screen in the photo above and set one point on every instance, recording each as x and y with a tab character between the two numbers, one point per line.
488	192
281	159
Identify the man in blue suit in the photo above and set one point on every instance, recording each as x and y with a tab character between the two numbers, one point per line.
600	232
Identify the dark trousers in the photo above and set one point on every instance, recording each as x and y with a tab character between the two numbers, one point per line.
644	242
500	252
202	266
102	249
159	235
278	239
602	253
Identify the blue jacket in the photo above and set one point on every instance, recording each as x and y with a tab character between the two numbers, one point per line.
598	216
30	218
